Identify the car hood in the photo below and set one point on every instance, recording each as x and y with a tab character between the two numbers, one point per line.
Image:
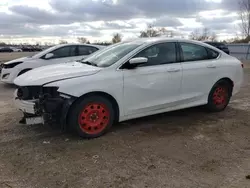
52	73
17	60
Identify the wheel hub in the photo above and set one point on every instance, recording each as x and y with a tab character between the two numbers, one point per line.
94	118
220	96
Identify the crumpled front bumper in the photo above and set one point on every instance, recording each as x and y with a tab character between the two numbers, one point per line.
50	111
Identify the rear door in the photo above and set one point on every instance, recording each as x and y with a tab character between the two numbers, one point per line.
200	71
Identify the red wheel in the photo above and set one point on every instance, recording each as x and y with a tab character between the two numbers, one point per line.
219	96
92	117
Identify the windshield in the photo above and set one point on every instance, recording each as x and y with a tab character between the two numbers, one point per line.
110	55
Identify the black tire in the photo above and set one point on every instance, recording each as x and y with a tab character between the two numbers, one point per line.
82	122
23	71
214	101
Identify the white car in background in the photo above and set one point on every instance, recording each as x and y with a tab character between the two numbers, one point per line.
16	49
56	54
129	80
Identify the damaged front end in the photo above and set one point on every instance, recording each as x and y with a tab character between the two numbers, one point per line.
43	105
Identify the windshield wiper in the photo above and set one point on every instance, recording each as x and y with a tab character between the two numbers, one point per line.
89	63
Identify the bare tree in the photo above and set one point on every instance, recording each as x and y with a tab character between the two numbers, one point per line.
82	40
244	13
195	35
202	35
117	38
151	31
63	42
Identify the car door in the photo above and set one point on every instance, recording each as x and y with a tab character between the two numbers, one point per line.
200	71
62	55
83	51
155	85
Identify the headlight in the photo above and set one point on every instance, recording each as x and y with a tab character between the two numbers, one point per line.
11	65
6	76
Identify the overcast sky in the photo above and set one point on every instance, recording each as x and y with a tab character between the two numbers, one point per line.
99	19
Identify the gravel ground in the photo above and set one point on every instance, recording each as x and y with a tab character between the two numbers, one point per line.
14	55
188	148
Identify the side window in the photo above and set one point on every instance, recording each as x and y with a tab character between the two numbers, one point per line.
212	54
86	50
159	54
66	51
73	51
193	52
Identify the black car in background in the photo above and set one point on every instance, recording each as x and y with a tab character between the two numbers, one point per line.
219	45
6	49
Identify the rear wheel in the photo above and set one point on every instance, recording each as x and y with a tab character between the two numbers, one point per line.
92	117
219	96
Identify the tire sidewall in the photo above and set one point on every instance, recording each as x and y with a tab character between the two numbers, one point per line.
77	109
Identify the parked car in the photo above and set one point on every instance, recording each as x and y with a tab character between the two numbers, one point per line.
128	80
56	54
26	49
220	46
16	49
6	49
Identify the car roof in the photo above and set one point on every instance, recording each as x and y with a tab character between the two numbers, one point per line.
213	42
165	39
83	44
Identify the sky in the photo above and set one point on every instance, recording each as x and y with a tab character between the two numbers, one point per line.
97	20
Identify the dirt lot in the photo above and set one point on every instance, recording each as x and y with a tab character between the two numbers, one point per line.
14	55
189	148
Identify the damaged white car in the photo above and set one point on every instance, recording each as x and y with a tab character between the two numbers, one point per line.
128	80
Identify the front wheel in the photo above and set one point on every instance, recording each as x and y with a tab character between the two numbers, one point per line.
219	96
92	117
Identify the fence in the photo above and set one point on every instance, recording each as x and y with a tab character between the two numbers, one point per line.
240	51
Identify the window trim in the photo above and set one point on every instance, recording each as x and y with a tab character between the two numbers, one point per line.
178	58
182	57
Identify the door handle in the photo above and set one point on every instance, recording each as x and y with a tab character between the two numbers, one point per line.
211	66
173	70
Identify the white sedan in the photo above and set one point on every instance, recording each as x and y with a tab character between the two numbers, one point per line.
56	54
129	80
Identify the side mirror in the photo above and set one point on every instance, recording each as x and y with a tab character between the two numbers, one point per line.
49	55
138	60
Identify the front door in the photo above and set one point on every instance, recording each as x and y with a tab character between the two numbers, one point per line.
62	55
156	84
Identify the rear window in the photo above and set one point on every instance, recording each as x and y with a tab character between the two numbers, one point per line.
212	54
